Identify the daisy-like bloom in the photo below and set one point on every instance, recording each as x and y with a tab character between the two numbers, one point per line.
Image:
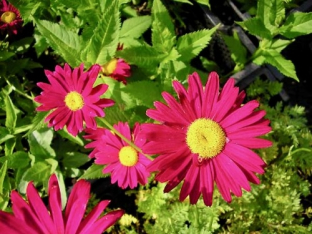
206	137
98	144
72	98
117	68
34	217
10	20
126	165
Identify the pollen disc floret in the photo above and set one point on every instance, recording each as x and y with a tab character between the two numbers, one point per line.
8	17
109	67
205	137
74	101
128	156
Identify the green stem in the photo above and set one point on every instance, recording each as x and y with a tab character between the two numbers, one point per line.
18	91
103	120
196	214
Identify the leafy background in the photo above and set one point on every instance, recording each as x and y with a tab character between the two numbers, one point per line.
163	41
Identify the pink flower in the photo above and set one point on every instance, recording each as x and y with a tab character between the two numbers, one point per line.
33	216
72	98
98	144
125	163
117	68
10	19
206	137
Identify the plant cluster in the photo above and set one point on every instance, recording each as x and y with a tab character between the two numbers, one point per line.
112	97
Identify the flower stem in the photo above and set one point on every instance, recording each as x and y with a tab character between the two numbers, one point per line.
103	120
18	91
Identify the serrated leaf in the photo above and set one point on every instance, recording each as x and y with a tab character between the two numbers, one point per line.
163	35
39	172
190	45
39	143
256	27
143	92
142	56
94	172
11	116
134	27
75	159
103	44
19	159
297	24
62	40
285	66
26	8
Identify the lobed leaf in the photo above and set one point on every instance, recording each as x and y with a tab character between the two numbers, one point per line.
190	45
63	41
297	24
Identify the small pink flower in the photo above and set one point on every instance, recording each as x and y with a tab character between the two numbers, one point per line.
35	218
205	138
73	98
10	20
117	68
126	165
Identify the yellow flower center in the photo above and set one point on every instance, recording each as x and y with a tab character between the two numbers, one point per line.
205	138
8	16
109	67
128	156
74	101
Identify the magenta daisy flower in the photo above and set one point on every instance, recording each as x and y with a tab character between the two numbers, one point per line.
126	165
10	20
73	98
204	138
33	216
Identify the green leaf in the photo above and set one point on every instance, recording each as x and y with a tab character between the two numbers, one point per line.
143	92
102	46
190	45
39	143
142	56
60	179
5	55
163	35
3	173
75	159
297	24
280	44
5	135
271	13
256	27
38	121
63	41
285	66
77	140
238	50
39	172
26	8
11	117
94	172
19	159
134	27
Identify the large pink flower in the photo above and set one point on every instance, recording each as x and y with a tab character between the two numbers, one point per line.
33	216
10	20
126	165
206	137
72	98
